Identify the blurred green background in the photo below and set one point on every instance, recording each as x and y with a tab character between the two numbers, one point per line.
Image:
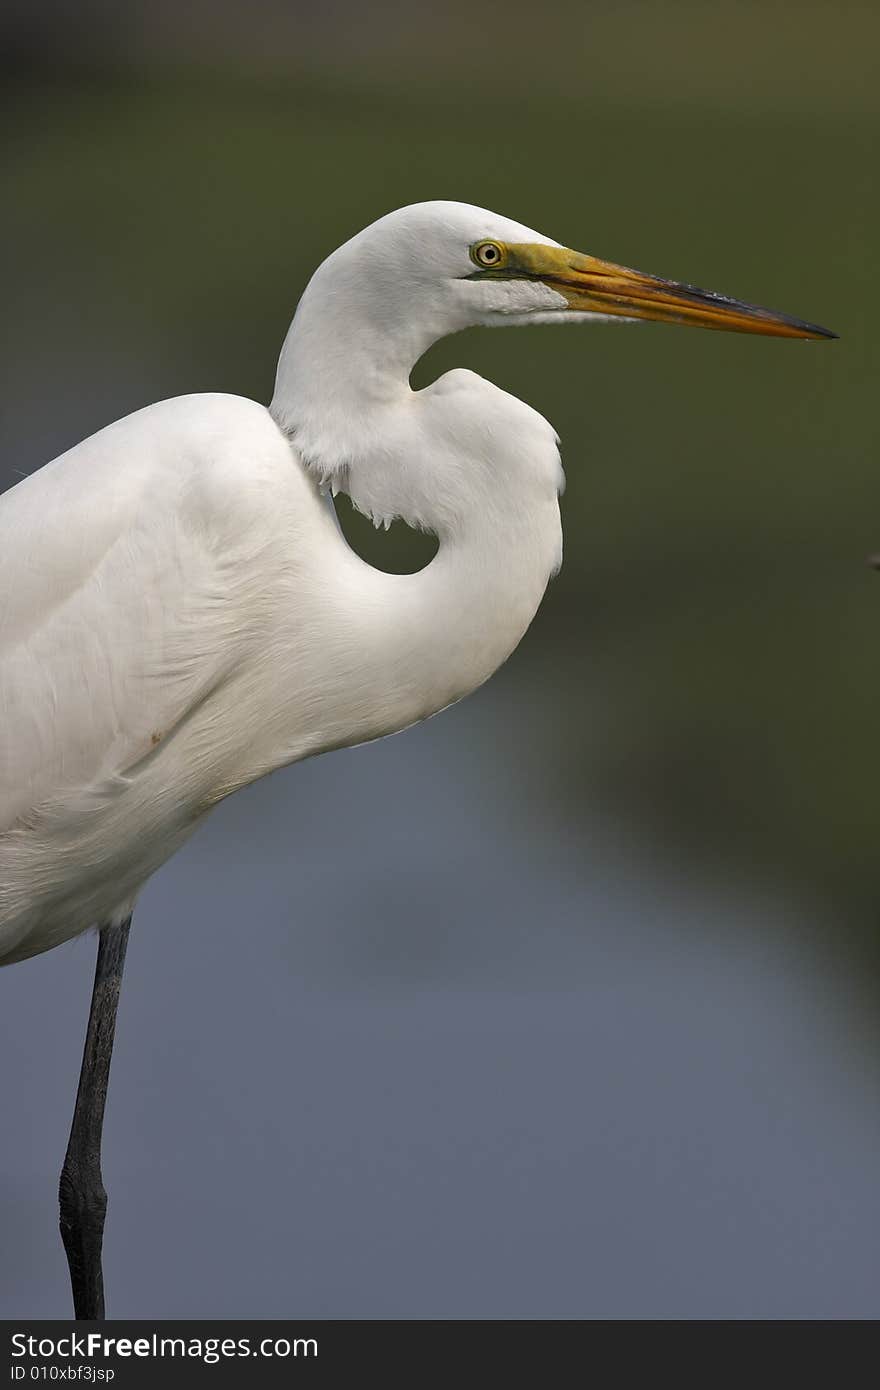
702	678
708	658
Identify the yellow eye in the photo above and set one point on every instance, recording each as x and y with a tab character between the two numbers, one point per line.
487	254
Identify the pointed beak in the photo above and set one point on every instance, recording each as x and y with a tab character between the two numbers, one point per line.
590	285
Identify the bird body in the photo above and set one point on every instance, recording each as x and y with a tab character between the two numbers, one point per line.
180	614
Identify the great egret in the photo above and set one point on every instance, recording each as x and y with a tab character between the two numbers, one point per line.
179	613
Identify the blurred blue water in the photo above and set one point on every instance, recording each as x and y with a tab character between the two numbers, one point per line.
394	1044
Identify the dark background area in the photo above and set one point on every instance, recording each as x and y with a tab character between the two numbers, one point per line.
564	1004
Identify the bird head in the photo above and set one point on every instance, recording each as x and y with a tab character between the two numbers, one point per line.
451	265
376	305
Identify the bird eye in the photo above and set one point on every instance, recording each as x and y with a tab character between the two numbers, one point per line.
487	253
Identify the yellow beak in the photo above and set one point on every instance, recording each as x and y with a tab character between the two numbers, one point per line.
601	287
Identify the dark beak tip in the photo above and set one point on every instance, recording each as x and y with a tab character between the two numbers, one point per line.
813	330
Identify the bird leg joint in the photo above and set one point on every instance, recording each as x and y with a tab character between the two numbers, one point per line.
83	1204
81	1194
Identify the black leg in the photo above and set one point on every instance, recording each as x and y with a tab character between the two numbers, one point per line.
81	1193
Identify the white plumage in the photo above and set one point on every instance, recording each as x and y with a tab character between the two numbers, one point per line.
179	613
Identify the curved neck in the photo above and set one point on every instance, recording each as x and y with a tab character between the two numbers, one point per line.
402	647
468	610
460	458
347	357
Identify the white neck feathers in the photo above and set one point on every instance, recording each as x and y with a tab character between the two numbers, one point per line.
461	459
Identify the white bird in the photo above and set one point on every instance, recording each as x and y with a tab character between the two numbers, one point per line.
180	614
